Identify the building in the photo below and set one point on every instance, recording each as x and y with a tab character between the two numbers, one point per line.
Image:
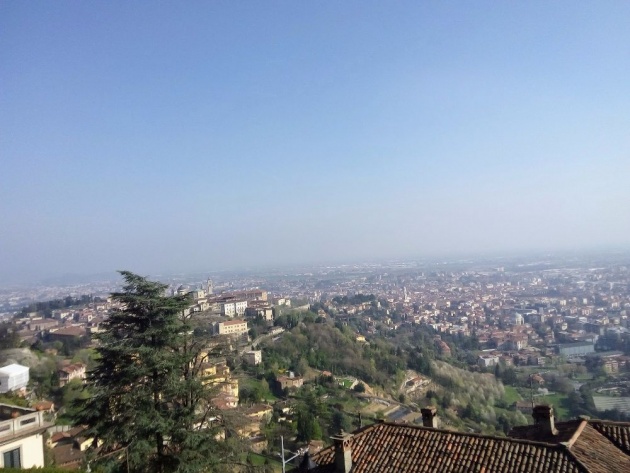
516	342
595	327
21	437
250	295
265	312
290	381
197	294
524	407
65	334
233	308
576	349
69	447
214	373
218	376
252	420
234	328
61	314
70	372
260	412
253	357
13	378
224	401
200	305
40	324
485	361
230	388
281	301
578	446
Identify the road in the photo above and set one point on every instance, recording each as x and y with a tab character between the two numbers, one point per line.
257	341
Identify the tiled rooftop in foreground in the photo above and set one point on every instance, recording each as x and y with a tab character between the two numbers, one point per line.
575	446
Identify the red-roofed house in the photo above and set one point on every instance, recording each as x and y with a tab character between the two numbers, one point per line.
578	446
70	372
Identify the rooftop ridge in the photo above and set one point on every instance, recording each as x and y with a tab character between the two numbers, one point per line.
473	434
486	447
576	434
609	422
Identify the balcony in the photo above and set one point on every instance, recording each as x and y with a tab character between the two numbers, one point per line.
22	424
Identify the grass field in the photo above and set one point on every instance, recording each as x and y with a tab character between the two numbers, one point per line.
347	383
584	377
511	395
559	403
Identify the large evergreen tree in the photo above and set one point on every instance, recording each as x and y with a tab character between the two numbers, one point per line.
147	398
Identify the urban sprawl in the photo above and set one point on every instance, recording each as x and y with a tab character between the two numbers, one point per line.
543	330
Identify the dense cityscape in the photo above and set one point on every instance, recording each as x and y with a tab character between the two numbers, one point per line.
314	237
547	331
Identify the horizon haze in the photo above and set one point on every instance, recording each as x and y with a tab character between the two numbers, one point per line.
186	137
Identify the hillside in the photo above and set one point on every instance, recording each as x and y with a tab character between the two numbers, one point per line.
465	399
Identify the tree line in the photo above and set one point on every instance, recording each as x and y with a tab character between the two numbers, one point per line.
46	308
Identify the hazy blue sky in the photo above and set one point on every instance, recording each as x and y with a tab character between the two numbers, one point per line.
176	136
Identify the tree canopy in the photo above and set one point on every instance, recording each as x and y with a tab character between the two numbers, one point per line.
147	398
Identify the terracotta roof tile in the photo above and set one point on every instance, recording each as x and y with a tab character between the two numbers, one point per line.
68	457
578	446
531	432
401	448
69	332
598	453
617	432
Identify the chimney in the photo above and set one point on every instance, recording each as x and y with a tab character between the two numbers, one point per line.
543	419
343	452
429	417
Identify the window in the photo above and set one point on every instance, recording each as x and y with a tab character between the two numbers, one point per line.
12	459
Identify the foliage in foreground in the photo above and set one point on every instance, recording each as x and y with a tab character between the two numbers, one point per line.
46	469
147	396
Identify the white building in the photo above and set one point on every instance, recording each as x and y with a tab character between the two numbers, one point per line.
282	301
198	294
235	328
13	377
485	361
265	313
232	308
517	319
253	357
21	437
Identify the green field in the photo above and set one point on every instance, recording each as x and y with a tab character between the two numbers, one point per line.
347	383
559	403
584	377
511	395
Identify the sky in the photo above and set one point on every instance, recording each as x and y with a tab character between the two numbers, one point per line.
197	136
